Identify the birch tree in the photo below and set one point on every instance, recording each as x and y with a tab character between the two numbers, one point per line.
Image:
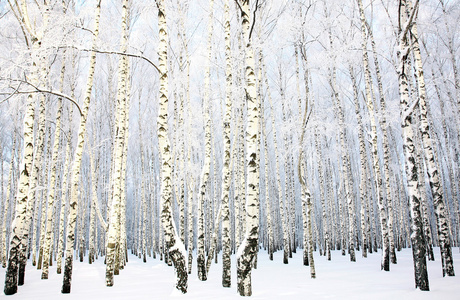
113	234
407	115
76	165
19	227
249	247
226	170
375	154
432	169
204	178
6	203
174	245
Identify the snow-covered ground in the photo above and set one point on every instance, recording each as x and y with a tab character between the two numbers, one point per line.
336	279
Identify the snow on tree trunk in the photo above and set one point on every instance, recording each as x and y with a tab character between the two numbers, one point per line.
52	190
20	227
204	179
249	247
122	110
432	169
6	203
20	217
375	155
174	245
363	160
407	114
306	196
75	175
65	189
264	124
383	127
226	170
283	216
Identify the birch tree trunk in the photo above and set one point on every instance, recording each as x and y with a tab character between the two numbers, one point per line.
363	158
19	221
346	172
20	225
173	243
433	173
249	247
306	196
417	238
52	190
375	155
122	110
142	215
384	128
269	222
75	179
6	204
204	179
226	170
40	166
283	214
64	197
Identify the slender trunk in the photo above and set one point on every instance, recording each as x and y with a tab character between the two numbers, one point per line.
306	196
64	196
75	175
174	245
363	158
284	226
6	205
52	190
226	170
407	115
19	226
204	181
375	156
122	110
248	249
433	173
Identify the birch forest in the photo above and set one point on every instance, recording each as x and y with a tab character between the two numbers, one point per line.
198	131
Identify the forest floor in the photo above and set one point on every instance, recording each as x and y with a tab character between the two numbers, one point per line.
336	279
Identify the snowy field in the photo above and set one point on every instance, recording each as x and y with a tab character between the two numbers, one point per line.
336	279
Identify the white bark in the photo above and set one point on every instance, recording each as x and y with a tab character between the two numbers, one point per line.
363	160
204	179
6	204
248	249
20	218
52	191
20	225
65	196
433	173
75	175
284	225
417	238
122	110
226	170
173	243
375	155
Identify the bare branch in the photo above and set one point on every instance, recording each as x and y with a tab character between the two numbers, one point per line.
40	90
239	6
253	19
116	53
12	94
